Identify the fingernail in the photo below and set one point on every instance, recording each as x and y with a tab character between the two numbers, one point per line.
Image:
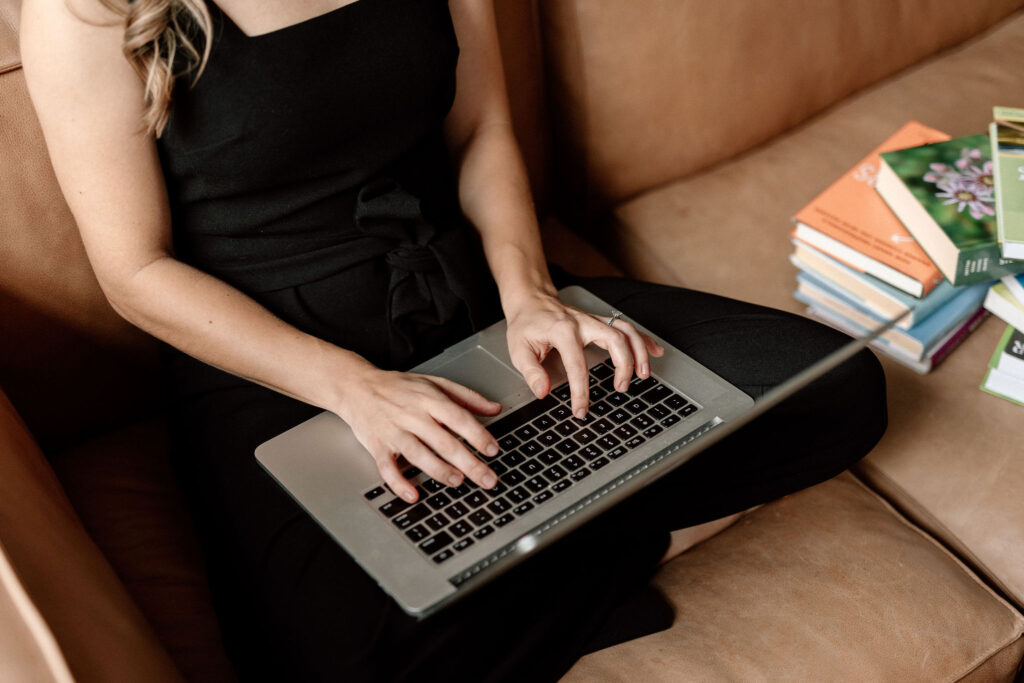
492	449
645	369
409	496
580	413
536	388
490	480
623	385
454	480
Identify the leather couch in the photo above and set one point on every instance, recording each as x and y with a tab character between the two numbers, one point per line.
675	138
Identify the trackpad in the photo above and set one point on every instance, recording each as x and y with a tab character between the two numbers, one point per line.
482	372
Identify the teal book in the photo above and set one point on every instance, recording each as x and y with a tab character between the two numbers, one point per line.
944	195
1007	136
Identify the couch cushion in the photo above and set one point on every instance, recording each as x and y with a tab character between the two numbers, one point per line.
826	584
102	633
647	91
946	454
28	651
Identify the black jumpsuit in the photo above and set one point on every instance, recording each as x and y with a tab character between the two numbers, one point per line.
307	168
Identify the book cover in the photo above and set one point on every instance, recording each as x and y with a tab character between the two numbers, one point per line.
1001	301
1007	137
914	342
943	194
932	357
1002	378
879	297
851	223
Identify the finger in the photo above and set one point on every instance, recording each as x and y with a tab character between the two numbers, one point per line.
467	398
449	448
385	459
653	347
621	353
418	454
570	348
525	361
460	421
640	358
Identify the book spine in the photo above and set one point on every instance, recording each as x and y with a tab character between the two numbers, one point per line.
984	263
954	341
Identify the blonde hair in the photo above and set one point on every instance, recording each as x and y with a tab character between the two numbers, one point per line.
164	39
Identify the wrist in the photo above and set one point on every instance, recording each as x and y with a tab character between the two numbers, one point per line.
343	376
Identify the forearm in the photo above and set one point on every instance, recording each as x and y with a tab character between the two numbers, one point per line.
214	322
495	196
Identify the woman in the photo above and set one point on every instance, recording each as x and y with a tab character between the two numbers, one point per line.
300	198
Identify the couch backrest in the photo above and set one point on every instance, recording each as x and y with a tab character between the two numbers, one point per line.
71	365
648	91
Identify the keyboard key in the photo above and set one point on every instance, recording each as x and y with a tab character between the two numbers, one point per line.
563	392
435	543
437	522
688	410
415	514
520	416
503	520
462	489
585	421
513	477
554	473
636	406
499	468
411	472
580	474
670	420
549	438
608	442
444	555
573	462
475	499
601	371
550	456
619	416
602	426
561	486
617	399
675	401
507	443
460	528
499	506
656	395
638	386
568	446
536	484
417	533
484	531
617	453
543	422
456	510
658	412
624	432
463	544
601	408
566	428
591	452
584	436
523	509
393	507
652	431
531	448
525	432
481	517
531	467
512	459
518	494
561	413
496	490
432	486
635	441
599	463
597	393
374	493
543	497
642	421
438	501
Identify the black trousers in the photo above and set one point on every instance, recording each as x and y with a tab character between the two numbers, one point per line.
294	606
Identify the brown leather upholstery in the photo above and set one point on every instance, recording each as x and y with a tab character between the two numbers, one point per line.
648	91
946	457
824	585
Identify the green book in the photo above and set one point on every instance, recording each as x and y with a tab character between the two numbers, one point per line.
1007	136
944	195
1005	377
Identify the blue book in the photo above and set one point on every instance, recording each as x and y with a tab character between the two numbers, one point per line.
914	342
871	293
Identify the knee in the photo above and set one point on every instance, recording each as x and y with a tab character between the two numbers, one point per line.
852	403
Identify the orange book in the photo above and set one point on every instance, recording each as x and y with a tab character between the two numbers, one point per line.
851	223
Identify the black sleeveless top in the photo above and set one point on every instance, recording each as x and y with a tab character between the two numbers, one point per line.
307	168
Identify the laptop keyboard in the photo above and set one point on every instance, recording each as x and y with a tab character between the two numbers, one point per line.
544	451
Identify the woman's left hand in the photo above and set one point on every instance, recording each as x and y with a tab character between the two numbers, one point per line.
540	323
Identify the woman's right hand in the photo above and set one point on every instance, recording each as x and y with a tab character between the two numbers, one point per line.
409	414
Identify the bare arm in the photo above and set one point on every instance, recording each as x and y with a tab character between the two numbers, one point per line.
89	102
495	196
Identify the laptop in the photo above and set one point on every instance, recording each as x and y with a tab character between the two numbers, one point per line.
555	472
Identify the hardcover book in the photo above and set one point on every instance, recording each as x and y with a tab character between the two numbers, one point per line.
879	297
1007	137
849	222
1005	376
943	194
1002	302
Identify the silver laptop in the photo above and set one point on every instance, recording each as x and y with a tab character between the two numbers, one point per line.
554	472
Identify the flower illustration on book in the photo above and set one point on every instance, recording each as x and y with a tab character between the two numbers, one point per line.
967	195
965	184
